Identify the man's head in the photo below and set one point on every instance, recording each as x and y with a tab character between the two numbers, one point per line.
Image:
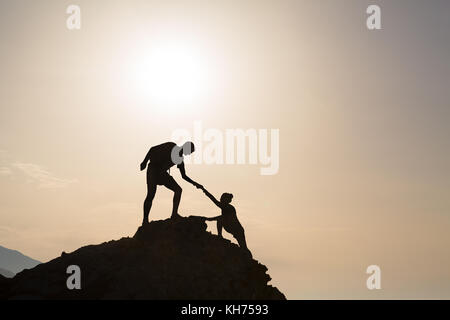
226	198
188	148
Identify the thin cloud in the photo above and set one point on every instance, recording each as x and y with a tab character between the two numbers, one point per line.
43	178
5	171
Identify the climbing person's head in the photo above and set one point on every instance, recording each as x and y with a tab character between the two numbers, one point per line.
226	198
188	148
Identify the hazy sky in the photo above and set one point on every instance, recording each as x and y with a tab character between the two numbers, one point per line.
363	117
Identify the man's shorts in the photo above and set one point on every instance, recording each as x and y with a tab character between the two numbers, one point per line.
158	177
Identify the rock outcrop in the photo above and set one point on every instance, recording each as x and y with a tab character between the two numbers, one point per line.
168	259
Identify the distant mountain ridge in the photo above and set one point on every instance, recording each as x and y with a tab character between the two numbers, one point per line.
6	273
15	261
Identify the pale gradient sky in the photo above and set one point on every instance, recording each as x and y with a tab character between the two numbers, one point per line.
364	132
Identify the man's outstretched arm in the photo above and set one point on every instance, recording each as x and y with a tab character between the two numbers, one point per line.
185	177
213	199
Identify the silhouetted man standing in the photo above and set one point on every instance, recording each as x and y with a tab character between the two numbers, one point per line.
162	157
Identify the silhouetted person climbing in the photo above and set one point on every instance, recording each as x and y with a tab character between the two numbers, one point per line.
228	220
162	157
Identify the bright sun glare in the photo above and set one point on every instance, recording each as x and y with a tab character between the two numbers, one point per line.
170	75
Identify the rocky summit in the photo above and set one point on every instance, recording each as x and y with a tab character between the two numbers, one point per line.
167	259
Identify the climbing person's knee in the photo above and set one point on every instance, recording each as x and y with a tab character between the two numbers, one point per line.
240	237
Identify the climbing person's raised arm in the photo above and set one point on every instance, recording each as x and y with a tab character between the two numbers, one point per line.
213	199
185	177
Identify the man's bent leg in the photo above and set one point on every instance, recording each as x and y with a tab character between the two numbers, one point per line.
173	185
